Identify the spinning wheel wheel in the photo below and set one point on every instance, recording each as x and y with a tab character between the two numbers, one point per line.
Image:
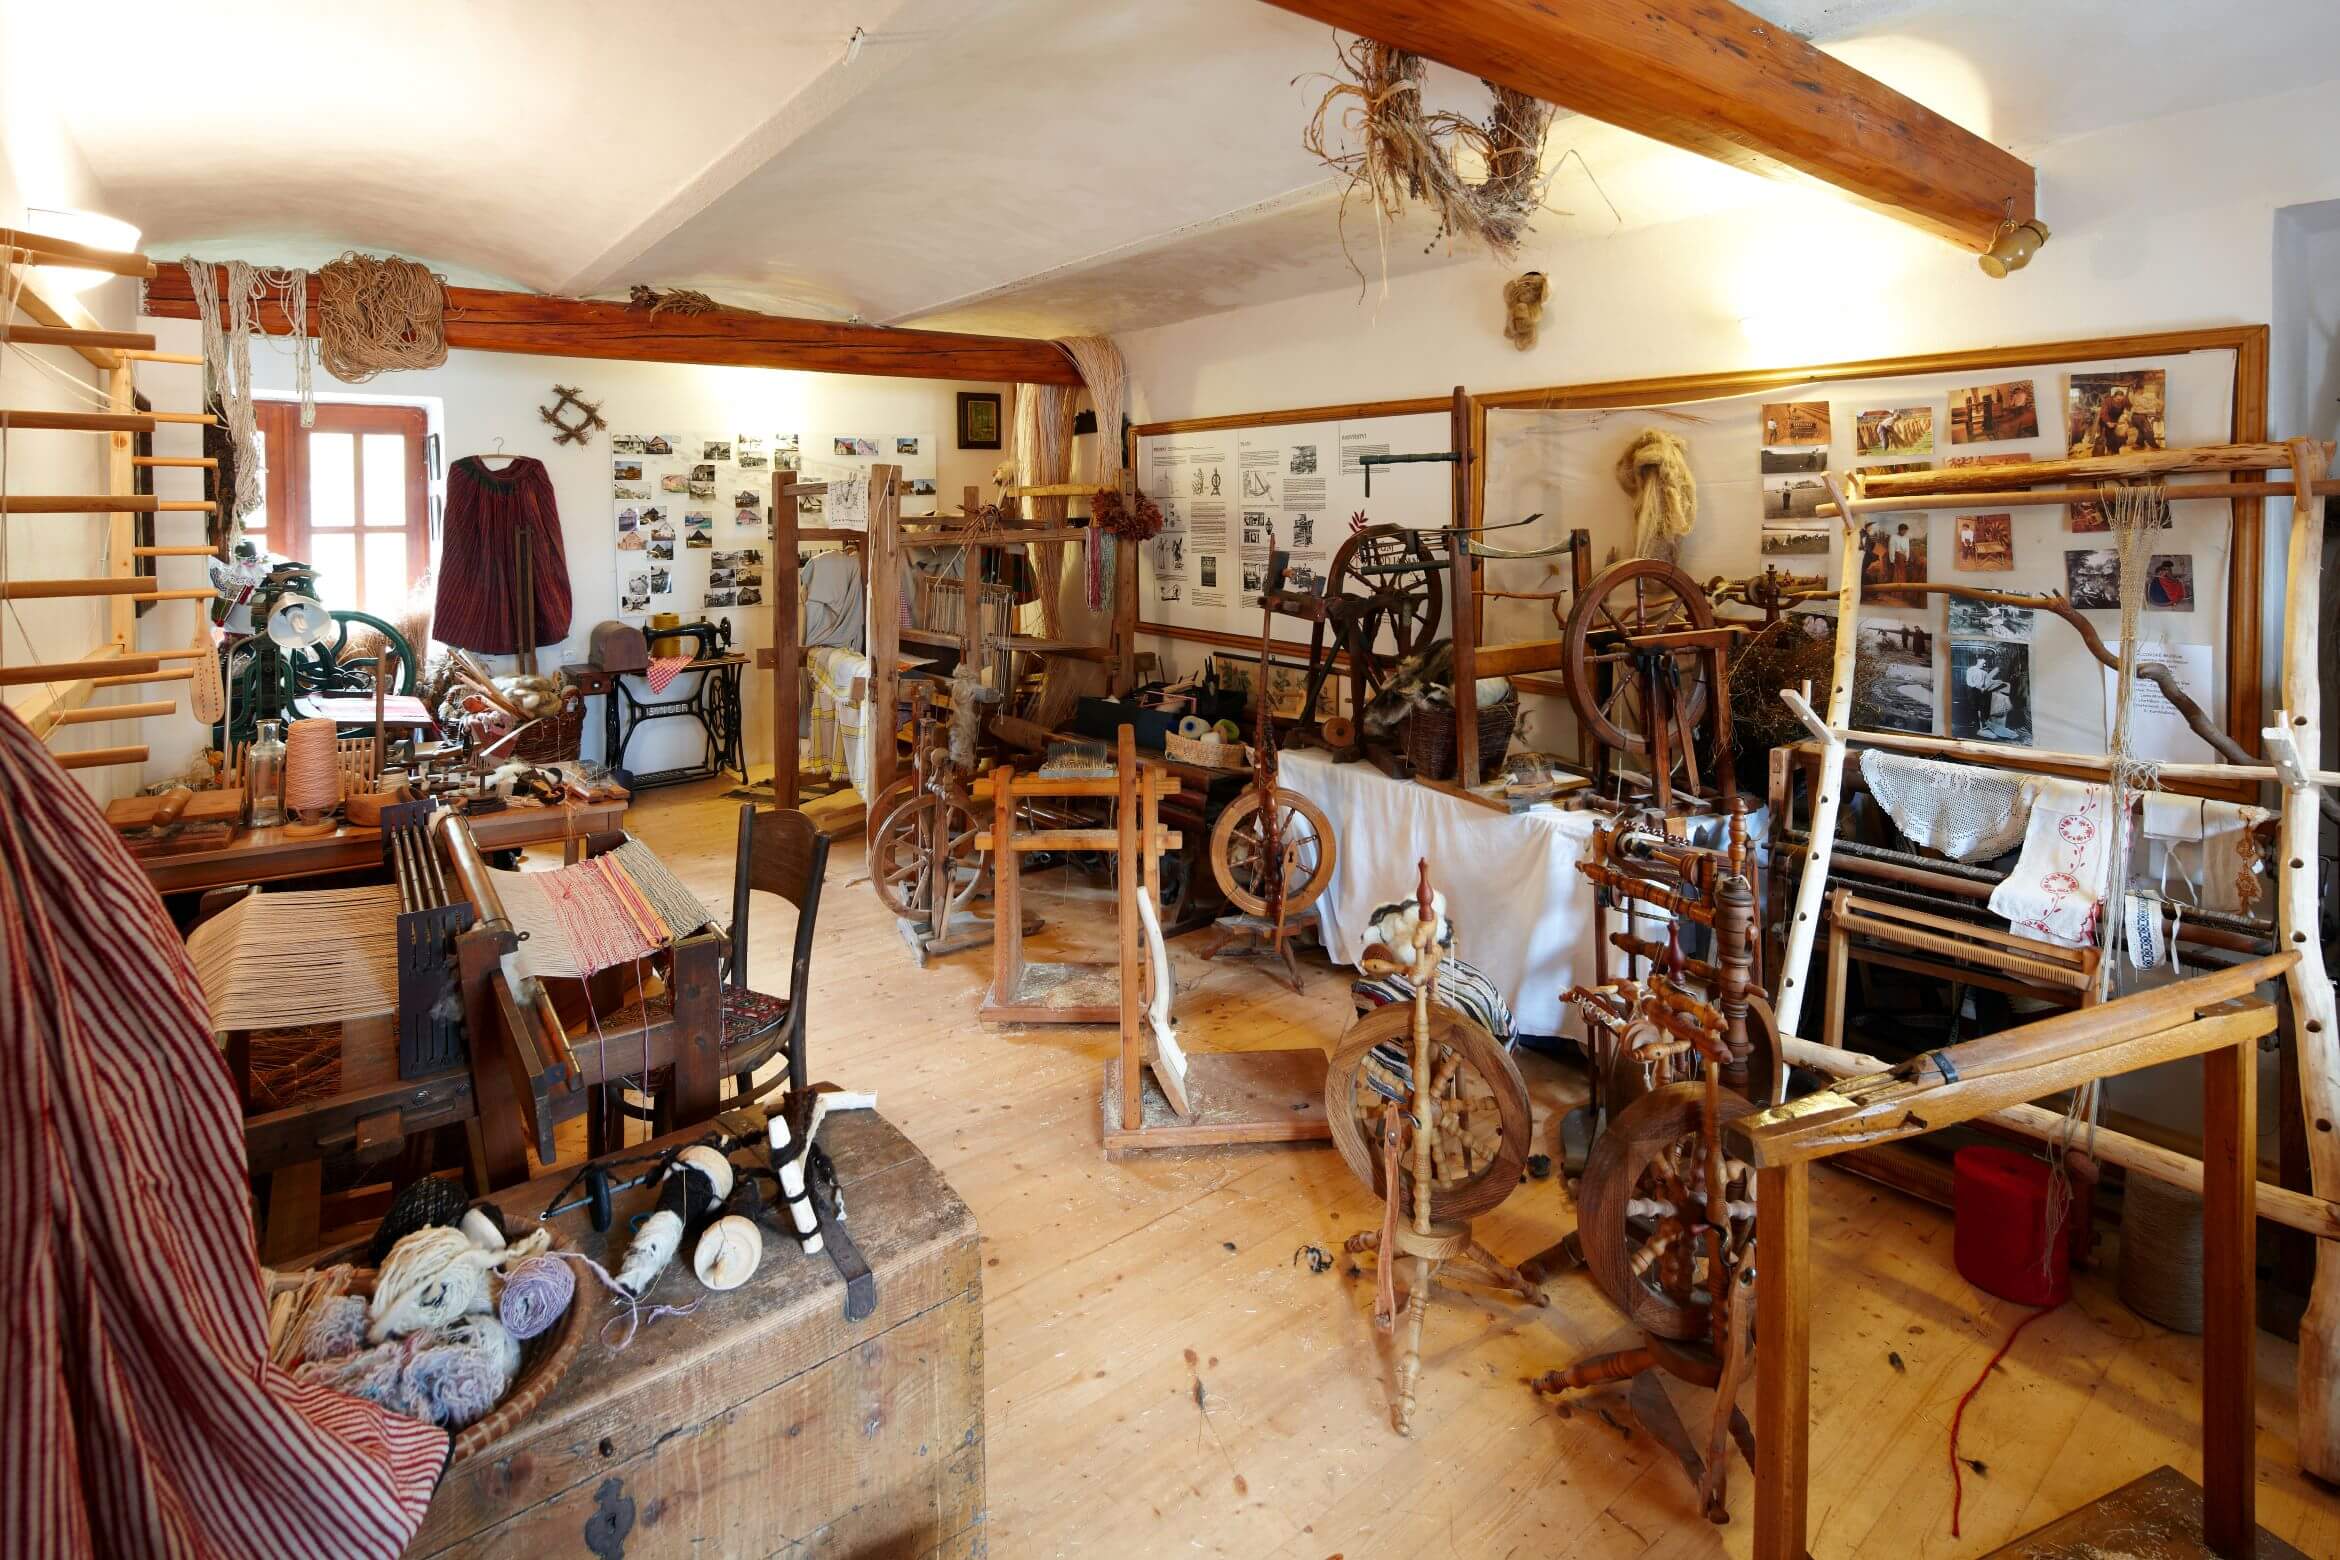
922	855
1606	631
1383	582
1642	1210
1480	1131
1240	857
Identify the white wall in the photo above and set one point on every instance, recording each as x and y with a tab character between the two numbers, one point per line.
478	397
2160	225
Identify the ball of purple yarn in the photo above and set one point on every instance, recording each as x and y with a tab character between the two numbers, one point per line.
536	1293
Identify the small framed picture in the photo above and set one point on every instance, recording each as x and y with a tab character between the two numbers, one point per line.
978	420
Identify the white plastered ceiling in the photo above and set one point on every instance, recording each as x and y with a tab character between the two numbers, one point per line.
1025	166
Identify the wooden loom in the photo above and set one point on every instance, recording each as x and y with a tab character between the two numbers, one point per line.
1202	1100
63	322
2292	746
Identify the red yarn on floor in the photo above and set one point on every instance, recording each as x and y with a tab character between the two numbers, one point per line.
1958	1483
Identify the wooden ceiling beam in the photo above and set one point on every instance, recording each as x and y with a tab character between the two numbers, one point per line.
481	320
1715	79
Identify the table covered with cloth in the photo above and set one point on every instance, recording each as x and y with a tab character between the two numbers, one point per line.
1522	912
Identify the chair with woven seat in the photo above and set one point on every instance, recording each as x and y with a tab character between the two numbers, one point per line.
782	853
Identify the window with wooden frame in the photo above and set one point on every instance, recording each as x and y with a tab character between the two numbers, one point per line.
348	495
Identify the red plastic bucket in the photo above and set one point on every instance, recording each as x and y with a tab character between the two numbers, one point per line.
2001	1200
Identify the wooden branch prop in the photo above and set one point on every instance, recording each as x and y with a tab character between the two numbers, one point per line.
1943	1088
1796	964
1902	486
2030	498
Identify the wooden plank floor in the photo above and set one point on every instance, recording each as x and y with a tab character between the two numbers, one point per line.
1166	1380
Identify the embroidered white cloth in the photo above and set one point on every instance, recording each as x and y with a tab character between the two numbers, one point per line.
2058	885
2213	847
1966	812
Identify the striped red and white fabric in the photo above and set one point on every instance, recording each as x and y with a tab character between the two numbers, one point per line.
142	1416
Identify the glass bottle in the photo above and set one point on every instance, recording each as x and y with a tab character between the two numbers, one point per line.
264	775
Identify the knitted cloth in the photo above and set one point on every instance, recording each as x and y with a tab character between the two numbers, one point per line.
1965	812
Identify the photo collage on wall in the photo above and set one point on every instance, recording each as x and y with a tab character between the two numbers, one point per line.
693	510
1987	652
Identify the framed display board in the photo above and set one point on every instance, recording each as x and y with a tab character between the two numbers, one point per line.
1757	442
1233	488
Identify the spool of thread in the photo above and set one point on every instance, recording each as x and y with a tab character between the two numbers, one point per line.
536	1294
312	767
2001	1202
1193	727
2161	1253
1228	731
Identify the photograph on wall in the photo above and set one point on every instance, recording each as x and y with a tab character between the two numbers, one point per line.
1303	460
704	471
2010	458
755	460
1986	543
698	520
637	583
2169	582
1792	498
700	490
628	518
629	602
1790	423
657	444
623	493
1894	430
1795	539
1893	552
1795	462
747	498
746	517
2089	515
1990	620
2092	578
1980	414
2112	414
674	482
785	445
922	487
1258	486
625	444
1894	467
625	471
629	541
715	449
720	598
661	582
856	448
699	539
1893	678
661	528
1990	690
905	446
747	449
662	549
1165	589
751	596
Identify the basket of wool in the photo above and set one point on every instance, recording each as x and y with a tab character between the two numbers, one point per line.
471	1374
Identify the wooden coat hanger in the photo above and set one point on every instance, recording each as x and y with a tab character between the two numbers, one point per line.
498	453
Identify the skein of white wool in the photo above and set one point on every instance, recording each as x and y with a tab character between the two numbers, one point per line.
1393	926
694	1186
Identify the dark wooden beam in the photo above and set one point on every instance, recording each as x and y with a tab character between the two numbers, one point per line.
1717	80
479	320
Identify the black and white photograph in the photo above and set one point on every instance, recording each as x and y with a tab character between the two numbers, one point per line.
2169	582
1795	462
1254	577
701	490
750	596
1793	498
625	444
1991	620
1303	460
1166	590
698	539
720	598
720	577
1208	572
1893	678
624	493
1258	529
661	549
1990	690
1791	539
1258	486
1303	530
715	449
753	460
661	581
638	583
785	447
747	498
2092	578
629	601
704	471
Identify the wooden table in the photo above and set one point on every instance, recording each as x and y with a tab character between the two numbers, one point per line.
763	1422
269	855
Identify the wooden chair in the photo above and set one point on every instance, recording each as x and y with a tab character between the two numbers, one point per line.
781	852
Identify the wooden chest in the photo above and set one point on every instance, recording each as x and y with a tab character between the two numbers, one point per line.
762	1423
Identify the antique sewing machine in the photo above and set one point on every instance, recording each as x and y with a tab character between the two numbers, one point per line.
712	700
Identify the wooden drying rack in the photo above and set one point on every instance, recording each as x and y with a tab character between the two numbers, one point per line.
60	321
879	547
2292	744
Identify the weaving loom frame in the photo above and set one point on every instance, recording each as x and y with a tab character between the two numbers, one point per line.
2292	746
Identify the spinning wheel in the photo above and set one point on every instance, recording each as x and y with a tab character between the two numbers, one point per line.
1239	855
1384	582
1479	1142
923	851
1641	659
1642	1210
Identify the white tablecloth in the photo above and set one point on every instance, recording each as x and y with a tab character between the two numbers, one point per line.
1522	912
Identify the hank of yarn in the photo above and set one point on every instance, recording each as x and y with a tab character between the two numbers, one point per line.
1655	471
376	313
536	1294
2161	1253
312	767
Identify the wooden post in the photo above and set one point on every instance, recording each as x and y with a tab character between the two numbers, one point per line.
787	640
1463	582
1795	964
2230	1181
1783	1364
2309	984
885	623
121	530
1125	593
1128	879
1007	891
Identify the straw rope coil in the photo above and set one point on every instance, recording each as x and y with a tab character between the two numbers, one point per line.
1654	471
378	313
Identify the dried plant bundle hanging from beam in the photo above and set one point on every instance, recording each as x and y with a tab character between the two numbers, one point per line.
379	312
1405	152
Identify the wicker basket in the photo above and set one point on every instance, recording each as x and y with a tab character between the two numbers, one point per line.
1205	752
1430	740
544	1360
555	738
